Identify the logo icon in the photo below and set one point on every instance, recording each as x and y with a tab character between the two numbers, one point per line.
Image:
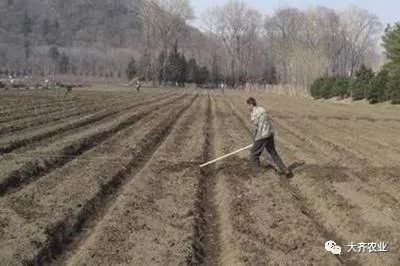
330	246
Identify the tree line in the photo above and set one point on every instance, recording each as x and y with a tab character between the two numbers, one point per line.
175	69
294	46
92	38
290	47
384	85
237	44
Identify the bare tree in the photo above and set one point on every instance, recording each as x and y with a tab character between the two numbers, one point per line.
317	41
284	32
292	46
359	29
237	25
164	21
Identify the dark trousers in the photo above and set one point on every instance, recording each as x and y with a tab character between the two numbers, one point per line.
269	145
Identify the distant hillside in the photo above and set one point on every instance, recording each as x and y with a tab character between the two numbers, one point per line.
82	37
70	23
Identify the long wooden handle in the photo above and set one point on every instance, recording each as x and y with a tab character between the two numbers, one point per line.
225	156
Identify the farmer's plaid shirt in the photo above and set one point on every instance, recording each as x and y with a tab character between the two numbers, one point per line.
262	123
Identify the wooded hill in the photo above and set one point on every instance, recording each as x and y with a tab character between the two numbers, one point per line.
239	45
79	37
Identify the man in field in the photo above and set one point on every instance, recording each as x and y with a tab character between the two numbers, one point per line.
68	89
138	85
264	139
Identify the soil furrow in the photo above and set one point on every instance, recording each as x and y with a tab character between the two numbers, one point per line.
22	111
339	215
205	240
33	170
299	203
359	135
45	118
66	224
119	182
151	221
18	115
96	208
12	145
61	136
67	112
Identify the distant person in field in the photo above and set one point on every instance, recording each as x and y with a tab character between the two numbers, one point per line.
138	85
68	89
222	87
264	139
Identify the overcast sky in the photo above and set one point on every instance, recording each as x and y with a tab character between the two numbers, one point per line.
387	10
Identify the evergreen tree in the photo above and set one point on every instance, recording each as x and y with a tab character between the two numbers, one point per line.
172	67
63	64
215	75
160	68
176	68
27	48
378	89
341	87
26	30
131	69
391	43
73	69
315	89
270	75
182	70
361	83
394	84
54	55
192	70
145	66
202	75
327	90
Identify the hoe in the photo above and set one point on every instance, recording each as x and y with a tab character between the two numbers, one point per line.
226	156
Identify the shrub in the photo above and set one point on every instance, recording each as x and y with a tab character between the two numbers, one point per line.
315	88
131	69
341	87
360	84
394	85
378	88
328	89
391	43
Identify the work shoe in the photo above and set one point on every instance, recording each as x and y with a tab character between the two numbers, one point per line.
288	173
255	172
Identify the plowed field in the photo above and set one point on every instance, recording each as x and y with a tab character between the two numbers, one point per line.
113	178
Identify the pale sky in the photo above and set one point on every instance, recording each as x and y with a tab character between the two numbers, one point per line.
388	11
